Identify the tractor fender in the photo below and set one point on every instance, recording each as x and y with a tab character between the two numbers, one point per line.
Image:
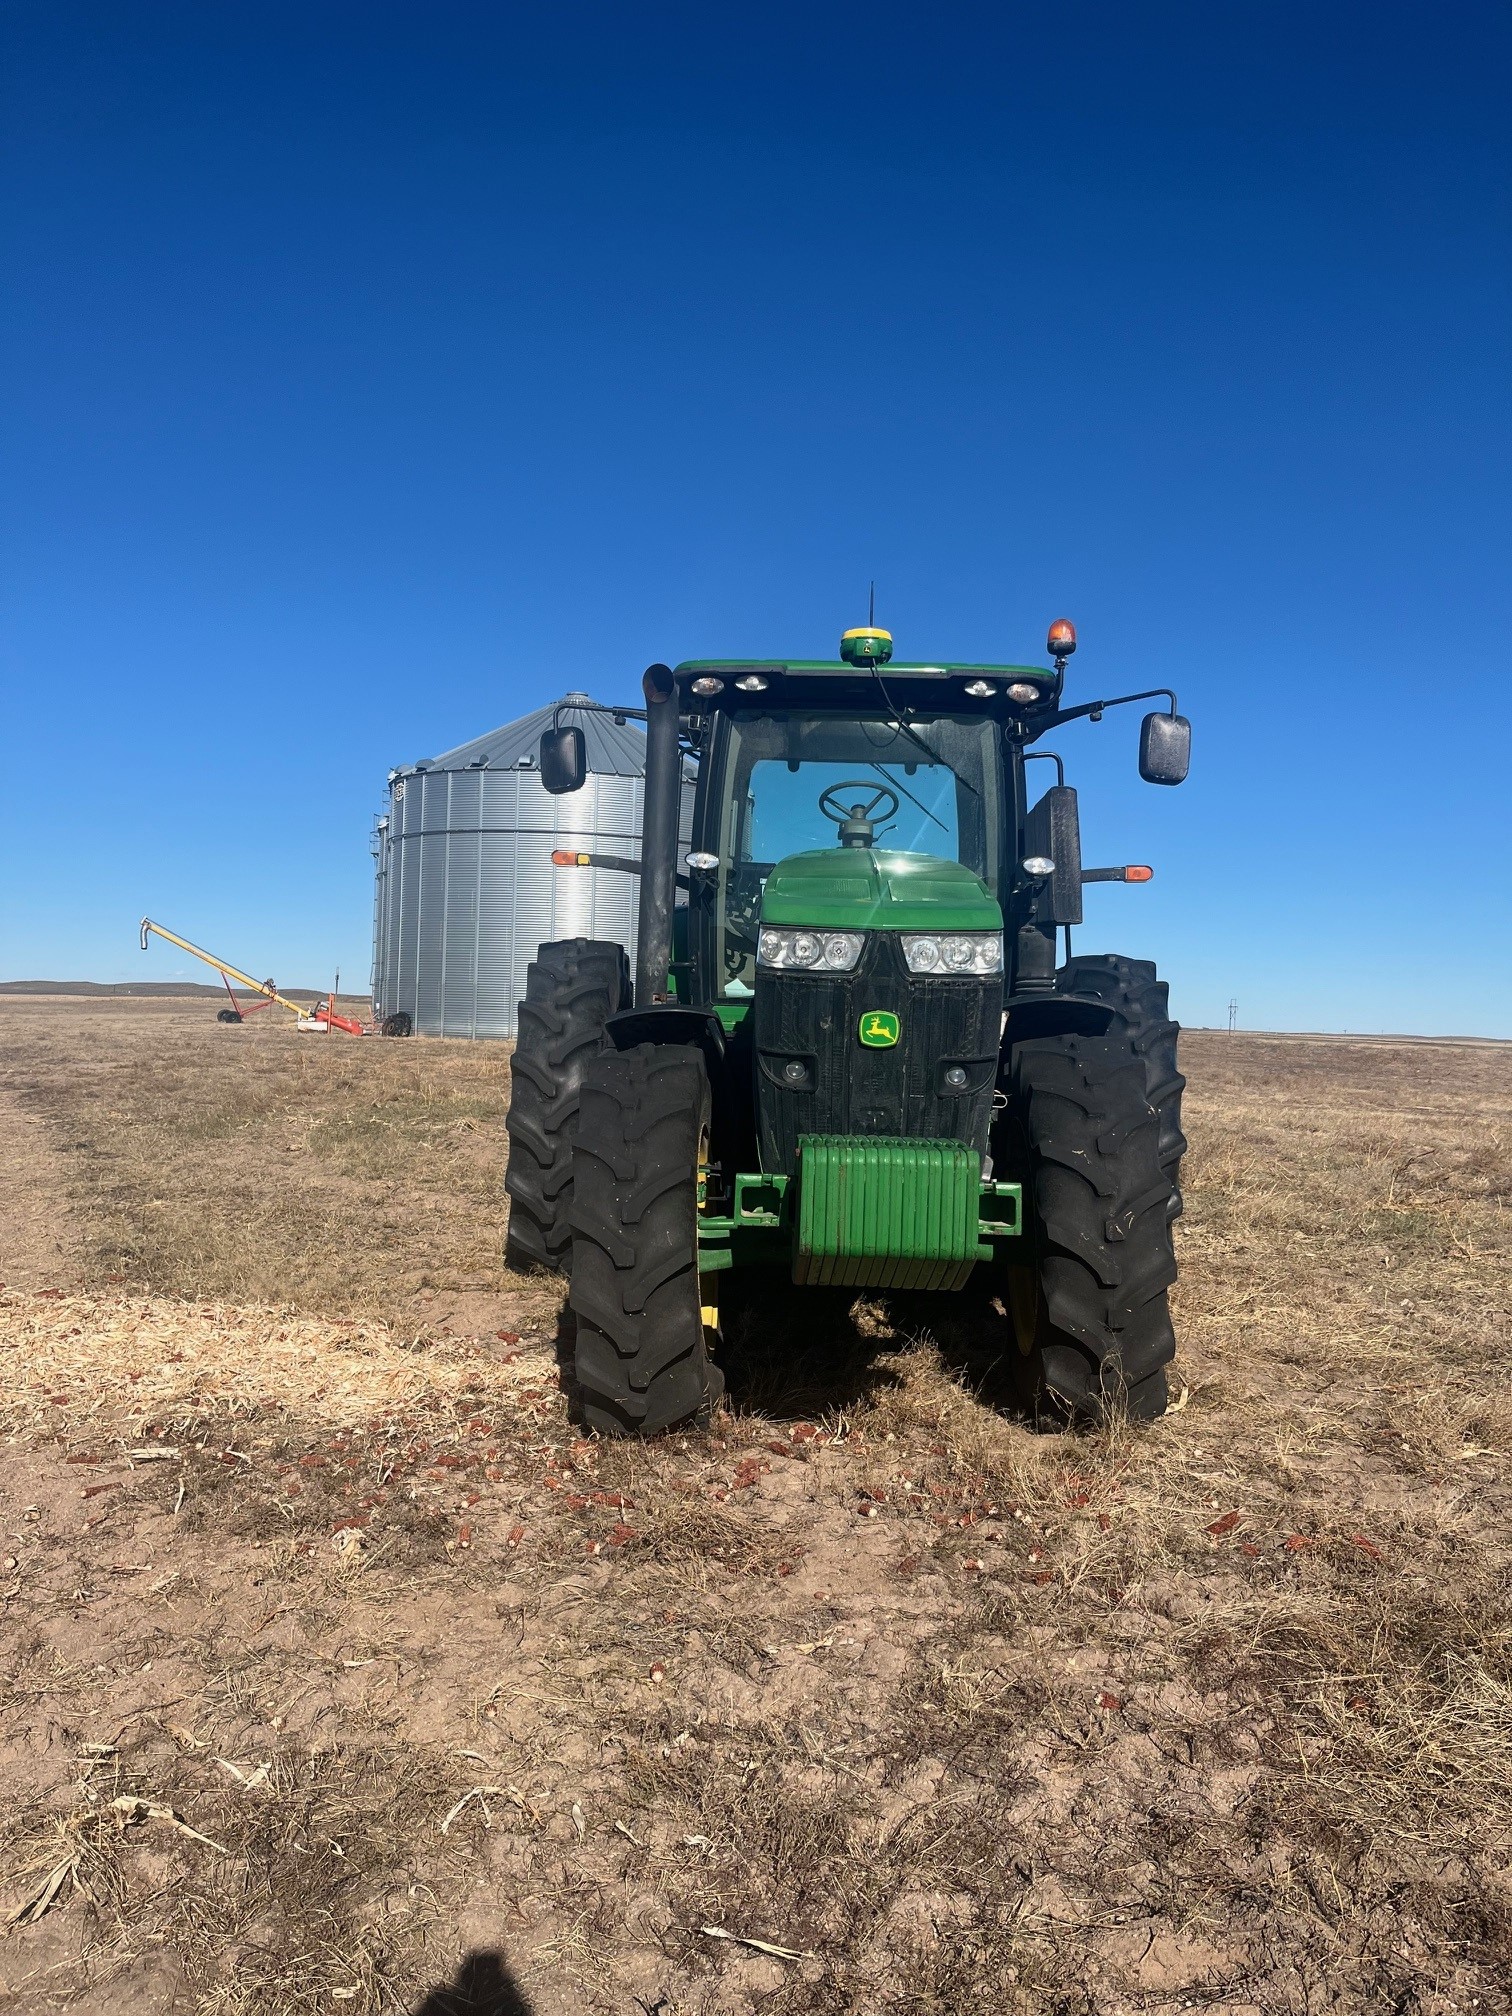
1032	1015
671	1022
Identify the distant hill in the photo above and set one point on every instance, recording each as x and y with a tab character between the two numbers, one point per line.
129	987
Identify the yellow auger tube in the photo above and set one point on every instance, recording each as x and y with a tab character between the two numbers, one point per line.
260	987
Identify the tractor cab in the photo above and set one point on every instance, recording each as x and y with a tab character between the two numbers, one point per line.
850	794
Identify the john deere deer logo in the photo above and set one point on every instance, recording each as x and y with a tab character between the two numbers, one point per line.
879	1030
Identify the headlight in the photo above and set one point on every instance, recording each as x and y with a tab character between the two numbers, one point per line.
955	952
790	951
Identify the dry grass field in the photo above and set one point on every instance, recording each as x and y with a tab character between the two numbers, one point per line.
340	1674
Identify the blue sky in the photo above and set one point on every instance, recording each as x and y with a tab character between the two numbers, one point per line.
371	373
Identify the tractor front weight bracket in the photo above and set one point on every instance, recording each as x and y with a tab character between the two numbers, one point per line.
862	1212
756	1230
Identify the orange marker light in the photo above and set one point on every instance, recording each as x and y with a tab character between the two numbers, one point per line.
1139	873
564	857
1062	639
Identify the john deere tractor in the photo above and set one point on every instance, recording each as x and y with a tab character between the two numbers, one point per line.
850	1052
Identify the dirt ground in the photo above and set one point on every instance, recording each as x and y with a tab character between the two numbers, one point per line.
340	1673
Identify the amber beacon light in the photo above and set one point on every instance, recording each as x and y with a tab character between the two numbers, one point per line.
1062	641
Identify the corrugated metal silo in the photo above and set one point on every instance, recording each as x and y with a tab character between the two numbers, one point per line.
465	889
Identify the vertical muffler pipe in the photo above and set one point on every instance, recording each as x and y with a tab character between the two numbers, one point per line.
659	823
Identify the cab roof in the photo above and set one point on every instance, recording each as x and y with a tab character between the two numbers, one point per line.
837	668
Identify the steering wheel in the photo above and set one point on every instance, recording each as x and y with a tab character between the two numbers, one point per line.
858	826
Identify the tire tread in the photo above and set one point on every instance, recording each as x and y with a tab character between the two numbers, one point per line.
572	987
1142	1002
1100	1192
640	1358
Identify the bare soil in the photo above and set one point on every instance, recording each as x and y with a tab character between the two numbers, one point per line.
342	1673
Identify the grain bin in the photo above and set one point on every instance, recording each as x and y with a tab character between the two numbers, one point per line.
465	889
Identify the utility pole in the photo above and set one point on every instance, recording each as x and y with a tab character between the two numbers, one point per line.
1233	1016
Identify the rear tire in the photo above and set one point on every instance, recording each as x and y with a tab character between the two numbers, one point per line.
1143	1003
1090	1317
397	1024
228	1015
642	1362
572	987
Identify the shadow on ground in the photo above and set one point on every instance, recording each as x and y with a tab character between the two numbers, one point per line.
484	1986
797	1353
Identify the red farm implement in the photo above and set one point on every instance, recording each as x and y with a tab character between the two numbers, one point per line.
319	1018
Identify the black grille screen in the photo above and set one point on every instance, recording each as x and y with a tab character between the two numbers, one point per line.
813	1021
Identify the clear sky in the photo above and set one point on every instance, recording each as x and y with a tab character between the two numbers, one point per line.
373	372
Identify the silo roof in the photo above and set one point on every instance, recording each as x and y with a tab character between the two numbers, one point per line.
614	750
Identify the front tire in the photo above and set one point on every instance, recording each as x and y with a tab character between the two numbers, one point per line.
572	987
642	1363
1091	1317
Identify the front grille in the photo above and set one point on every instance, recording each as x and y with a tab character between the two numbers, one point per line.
814	1020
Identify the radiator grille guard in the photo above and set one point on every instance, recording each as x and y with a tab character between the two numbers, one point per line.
812	1021
875	1212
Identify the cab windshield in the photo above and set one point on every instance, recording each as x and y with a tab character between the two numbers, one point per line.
943	770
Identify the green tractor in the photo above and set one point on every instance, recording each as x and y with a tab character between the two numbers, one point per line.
849	1051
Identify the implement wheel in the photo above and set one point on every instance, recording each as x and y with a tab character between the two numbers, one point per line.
572	987
642	1361
1090	1317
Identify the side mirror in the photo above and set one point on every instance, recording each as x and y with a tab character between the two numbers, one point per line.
564	760
1165	748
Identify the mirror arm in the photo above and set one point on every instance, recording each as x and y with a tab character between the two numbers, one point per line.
1093	709
571	858
593	707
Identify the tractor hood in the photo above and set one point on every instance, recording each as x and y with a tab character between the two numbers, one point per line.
874	889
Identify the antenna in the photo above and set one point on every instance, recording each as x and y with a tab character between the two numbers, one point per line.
871	608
